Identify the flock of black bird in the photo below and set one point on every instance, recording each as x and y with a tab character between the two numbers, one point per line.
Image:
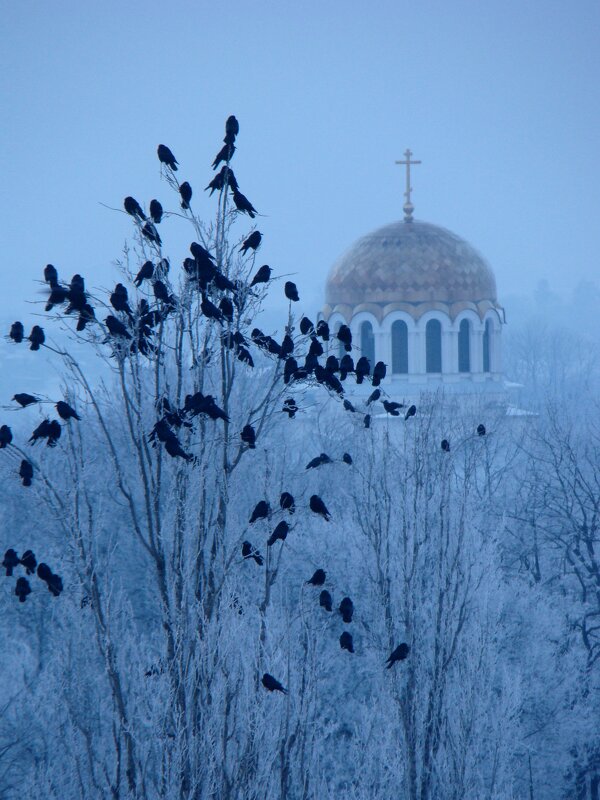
29	562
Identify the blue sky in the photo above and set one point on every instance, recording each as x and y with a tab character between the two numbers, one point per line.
499	100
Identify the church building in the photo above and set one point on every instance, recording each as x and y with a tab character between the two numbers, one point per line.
422	300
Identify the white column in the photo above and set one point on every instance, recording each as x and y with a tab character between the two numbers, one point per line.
477	354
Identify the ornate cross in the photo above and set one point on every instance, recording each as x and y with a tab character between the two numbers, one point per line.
408	206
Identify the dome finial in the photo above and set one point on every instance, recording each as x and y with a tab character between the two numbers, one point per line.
408	206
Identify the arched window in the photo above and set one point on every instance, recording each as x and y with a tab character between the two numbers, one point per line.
464	347
399	347
367	342
433	346
487	335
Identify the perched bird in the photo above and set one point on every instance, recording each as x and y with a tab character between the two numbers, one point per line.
210	310
367	421
185	190
317	506
50	275
156	211
243	204
348	406
150	232
116	327
29	561
291	292
399	654
316	348
200	404
412	410
261	511
16	332
325	600
346	366
161	292
174	448
134	208
201	254
26	472
224	154
306	326
289	370
43	571
119	299
332	364
318	460
289	407
145	273
58	295
55	584
6	436
223	178
248	551
11	560
445	445
287	346
362	369
49	430
378	373
22	589
226	308
347	458
165	156
24	399
281	531
346	642
346	609
345	336
286	502
36	337
323	330
248	436
392	407
272	684
65	411
251	243
244	356
232	128
318	579
481	429
263	275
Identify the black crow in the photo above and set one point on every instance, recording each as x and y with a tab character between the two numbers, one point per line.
345	337
243	204
210	310
119	299
392	407
445	445
481	429
43	571
224	154
332	364
323	330
399	654
289	370
55	584
348	406
325	600
346	366
161	292
286	502
50	275
36	337
65	411
232	128
200	404
378	373
346	642
317	506
248	551
318	578
175	450
134	208
26	472
318	460
263	275
24	399
375	395
306	326
347	458
272	684
281	531
85	315
16	332
251	243
248	436
362	369
150	232
412	410
226	308
201	254
290	291
165	156
145	273
244	356
261	511
29	561
185	190
287	346
347	610
22	589
58	295
290	407
316	348
225	175
6	436
367	420
156	211
49	430
11	560
116	327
